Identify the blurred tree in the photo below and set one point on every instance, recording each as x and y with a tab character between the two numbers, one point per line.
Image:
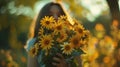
115	13
114	9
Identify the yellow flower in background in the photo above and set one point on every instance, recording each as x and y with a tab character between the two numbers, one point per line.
67	48
46	42
12	64
63	36
115	24
93	56
23	59
47	22
106	59
99	27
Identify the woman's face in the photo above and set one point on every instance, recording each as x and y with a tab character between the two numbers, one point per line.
55	12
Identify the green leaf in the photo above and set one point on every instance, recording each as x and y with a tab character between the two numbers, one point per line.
78	52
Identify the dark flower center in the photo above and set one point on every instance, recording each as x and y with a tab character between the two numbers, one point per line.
46	42
80	30
59	27
75	41
67	47
47	22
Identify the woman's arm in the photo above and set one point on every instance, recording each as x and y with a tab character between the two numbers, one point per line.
32	62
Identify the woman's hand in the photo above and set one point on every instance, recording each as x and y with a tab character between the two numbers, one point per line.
61	61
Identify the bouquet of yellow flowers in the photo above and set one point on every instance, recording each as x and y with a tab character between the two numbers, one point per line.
59	36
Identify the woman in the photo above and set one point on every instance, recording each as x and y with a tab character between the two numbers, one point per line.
50	9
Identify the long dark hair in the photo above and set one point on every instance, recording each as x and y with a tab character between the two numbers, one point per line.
45	11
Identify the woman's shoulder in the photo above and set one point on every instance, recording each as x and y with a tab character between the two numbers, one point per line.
30	43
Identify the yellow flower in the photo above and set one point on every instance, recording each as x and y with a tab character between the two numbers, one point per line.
79	30
41	31
65	21
83	42
99	27
12	64
63	36
106	59
33	51
86	33
76	22
46	42
58	27
75	41
47	22
23	59
67	48
37	46
62	17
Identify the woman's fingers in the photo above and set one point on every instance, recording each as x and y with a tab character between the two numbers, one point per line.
55	64
57	59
